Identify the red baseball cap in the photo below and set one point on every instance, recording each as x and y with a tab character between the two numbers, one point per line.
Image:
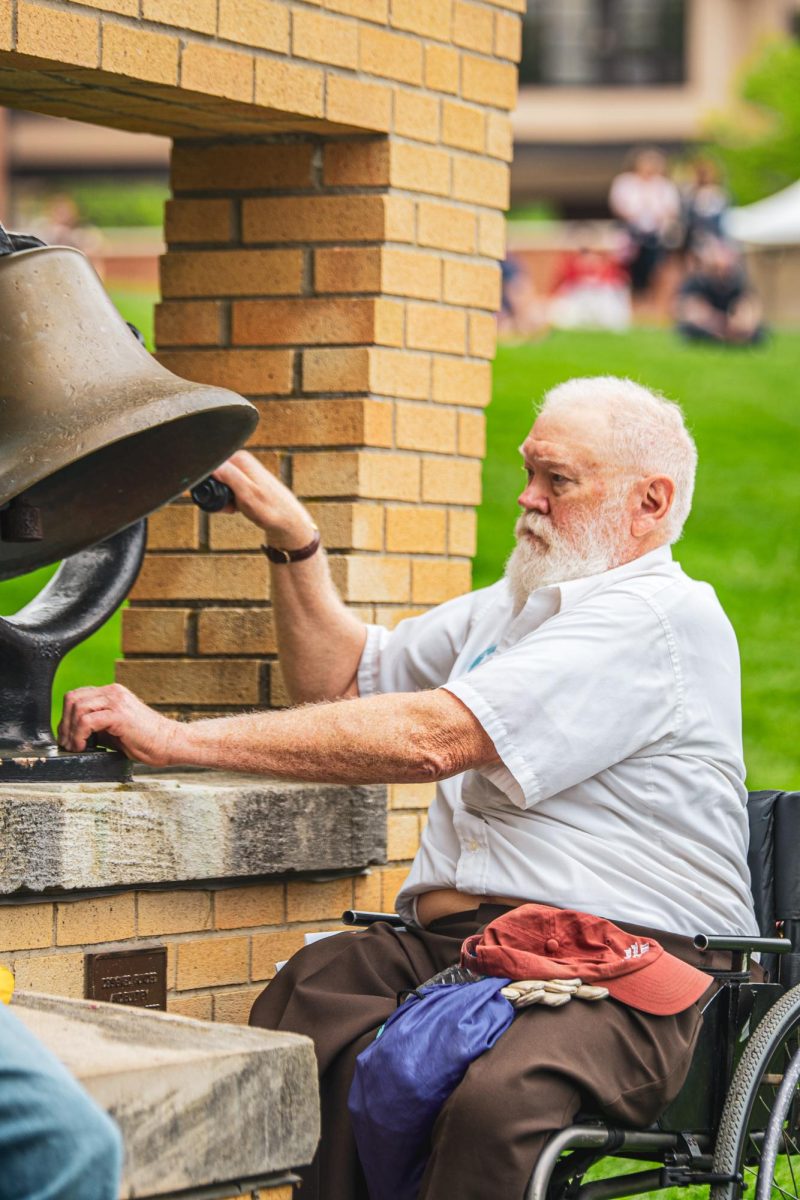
536	941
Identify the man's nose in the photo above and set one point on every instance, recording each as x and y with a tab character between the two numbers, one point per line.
534	499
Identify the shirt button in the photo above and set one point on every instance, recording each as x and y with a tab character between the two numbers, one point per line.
551	945
474	846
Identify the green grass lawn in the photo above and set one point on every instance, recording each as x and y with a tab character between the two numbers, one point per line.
785	1175
742	407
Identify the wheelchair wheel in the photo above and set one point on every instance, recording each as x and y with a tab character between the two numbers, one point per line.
778	1136
759	1131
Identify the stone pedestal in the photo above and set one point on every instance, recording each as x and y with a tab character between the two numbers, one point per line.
198	1104
226	873
173	828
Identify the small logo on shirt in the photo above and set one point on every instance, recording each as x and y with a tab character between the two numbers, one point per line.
484	654
637	949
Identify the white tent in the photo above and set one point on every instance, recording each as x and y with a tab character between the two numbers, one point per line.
771	222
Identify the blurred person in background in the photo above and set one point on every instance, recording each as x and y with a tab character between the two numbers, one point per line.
522	312
591	289
648	205
705	202
716	302
61	224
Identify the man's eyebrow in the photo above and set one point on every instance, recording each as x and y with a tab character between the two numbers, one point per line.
544	461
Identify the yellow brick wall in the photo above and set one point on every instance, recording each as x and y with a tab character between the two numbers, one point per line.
354	305
440	72
339	174
222	942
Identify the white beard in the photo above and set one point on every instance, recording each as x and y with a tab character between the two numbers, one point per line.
593	545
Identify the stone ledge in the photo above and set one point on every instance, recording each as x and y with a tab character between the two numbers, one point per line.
183	827
179	1089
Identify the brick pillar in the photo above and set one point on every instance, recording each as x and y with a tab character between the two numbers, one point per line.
347	286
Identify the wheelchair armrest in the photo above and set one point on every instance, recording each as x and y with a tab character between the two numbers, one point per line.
744	945
357	916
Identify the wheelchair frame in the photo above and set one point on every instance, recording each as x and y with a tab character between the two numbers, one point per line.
686	1141
711	1130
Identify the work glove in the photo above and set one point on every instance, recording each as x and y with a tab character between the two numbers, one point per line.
551	992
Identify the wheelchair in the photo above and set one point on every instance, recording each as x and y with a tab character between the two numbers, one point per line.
735	1124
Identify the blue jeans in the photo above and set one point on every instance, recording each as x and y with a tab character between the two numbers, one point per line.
55	1142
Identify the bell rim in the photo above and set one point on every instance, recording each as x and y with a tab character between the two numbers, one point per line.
6	260
198	397
21	561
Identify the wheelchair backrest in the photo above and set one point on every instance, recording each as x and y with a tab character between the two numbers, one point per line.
775	881
773	858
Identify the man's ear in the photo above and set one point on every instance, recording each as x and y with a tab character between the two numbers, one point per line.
654	500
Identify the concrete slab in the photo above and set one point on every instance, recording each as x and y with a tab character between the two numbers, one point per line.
185	826
197	1103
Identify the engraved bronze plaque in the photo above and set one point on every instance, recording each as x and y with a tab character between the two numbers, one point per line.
135	977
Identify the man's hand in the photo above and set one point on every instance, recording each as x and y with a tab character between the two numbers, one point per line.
120	720
266	502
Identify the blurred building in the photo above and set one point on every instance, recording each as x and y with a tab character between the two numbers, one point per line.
44	159
37	147
597	77
601	76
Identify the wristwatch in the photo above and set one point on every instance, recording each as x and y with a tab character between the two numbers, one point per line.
276	555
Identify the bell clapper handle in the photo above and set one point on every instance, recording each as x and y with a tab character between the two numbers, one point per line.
211	495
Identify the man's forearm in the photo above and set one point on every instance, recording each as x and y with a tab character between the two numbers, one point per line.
398	738
319	641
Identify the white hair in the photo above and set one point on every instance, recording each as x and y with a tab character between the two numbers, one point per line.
648	433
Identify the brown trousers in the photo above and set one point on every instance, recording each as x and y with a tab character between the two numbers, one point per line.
547	1065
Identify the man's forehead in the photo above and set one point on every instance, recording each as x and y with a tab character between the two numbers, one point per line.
581	439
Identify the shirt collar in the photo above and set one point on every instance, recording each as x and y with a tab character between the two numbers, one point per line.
572	591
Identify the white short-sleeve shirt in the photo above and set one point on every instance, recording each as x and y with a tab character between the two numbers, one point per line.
614	705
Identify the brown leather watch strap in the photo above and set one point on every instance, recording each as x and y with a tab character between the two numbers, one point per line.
276	555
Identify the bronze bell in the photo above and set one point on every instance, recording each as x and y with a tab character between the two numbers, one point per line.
94	433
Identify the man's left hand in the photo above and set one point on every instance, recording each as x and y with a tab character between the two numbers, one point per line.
120	720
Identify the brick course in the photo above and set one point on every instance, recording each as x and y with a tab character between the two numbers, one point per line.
26	927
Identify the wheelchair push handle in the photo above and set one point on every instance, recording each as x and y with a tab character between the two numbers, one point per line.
703	941
744	945
358	916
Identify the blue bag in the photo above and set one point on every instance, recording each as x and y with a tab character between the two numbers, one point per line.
404	1077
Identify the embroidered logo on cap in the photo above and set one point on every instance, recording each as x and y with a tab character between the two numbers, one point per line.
637	949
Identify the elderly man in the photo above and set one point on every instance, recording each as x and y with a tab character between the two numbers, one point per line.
582	720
